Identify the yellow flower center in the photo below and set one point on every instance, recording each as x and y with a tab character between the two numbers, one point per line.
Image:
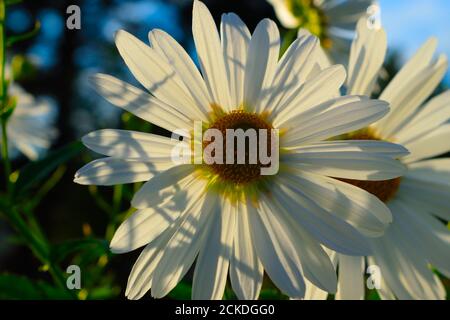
237	180
234	172
384	190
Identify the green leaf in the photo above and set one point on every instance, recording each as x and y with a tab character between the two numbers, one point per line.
14	287
271	294
35	172
182	291
93	246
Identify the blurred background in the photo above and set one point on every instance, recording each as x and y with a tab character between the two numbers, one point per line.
60	61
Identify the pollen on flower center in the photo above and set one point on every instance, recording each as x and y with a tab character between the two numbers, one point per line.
239	174
384	190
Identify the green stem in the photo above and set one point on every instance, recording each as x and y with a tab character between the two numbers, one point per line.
5	156
3	97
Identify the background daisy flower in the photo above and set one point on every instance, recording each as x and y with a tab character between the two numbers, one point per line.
417	239
227	218
333	21
30	127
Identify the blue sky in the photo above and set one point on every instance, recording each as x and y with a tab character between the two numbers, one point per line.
409	23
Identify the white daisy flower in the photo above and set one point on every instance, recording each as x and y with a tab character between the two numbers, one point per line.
333	21
417	239
230	218
29	129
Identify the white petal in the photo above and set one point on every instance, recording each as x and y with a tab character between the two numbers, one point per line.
153	72
351	278
431	116
429	236
430	145
143	227
336	160
359	208
431	171
111	171
292	71
427	196
182	63
340	12
328	229
147	224
140	278
261	63
342	117
276	251
314	293
315	263
384	149
211	269
418	84
405	271
235	41
182	248
166	182
313	92
246	271
130	144
140	103
418	62
366	58
287	19
210	55
322	61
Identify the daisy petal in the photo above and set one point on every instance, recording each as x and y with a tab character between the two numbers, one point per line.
210	56
130	144
182	248
425	186
408	96
166	182
287	19
261	63
147	224
430	145
112	171
429	236
342	117
328	229
235	41
314	293
431	116
180	60
143	227
153	72
362	210
246	271
338	161
404	269
140	103
381	148
313	92
366	58
316	264
276	251
292	71
211	269
351	278
141	275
